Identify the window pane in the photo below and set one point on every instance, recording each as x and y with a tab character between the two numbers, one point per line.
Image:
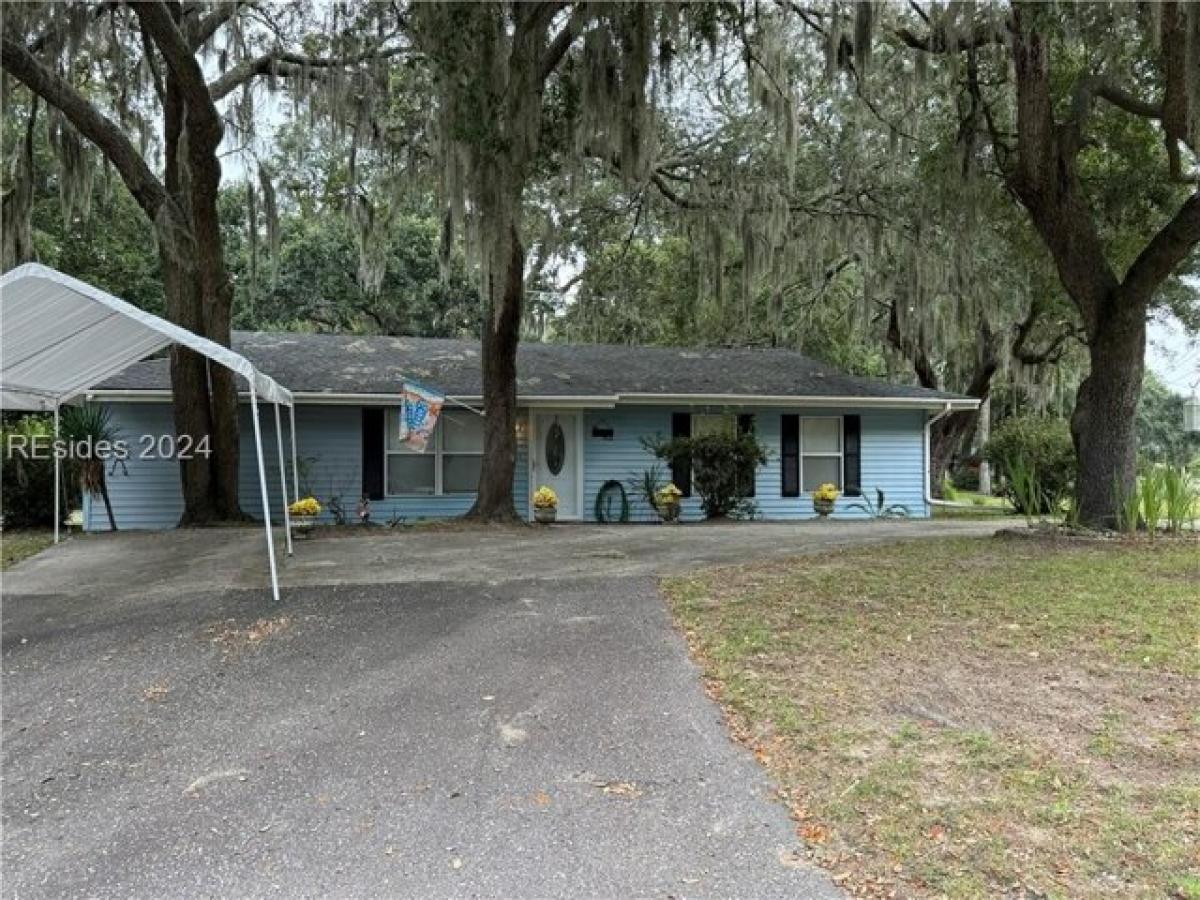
822	435
460	474
819	470
392	428
707	424
410	473
462	432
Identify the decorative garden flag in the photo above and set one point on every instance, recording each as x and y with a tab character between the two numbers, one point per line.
419	410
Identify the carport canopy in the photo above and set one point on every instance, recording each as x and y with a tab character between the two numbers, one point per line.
60	337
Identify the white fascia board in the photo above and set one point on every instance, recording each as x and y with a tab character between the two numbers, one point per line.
324	398
932	403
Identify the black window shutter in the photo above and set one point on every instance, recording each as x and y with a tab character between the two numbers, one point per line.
789	454
852	458
372	452
746	479
681	467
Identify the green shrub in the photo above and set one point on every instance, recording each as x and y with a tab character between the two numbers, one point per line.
722	467
1040	452
27	491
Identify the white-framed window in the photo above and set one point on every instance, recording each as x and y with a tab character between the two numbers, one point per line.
449	465
821	452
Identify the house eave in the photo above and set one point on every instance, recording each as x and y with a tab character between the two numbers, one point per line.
329	398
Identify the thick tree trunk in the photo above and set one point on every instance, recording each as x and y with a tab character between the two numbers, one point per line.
216	304
1104	422
501	334
945	440
189	394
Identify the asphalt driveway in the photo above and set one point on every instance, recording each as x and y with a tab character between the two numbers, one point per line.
507	717
530	740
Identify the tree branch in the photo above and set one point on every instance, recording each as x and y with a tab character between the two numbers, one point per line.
289	65
913	350
203	118
199	31
936	41
146	189
1171	246
1052	352
562	42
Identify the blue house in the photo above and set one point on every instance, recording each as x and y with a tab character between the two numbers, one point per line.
584	412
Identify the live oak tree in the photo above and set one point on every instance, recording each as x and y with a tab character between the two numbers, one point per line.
115	73
493	65
1053	90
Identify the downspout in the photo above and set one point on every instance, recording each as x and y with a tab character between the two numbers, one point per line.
929	498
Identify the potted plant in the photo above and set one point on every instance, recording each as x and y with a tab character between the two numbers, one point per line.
666	502
545	505
304	514
823	498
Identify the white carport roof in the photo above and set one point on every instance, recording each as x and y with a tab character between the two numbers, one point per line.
60	336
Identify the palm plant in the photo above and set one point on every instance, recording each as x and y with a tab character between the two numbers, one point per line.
88	426
880	509
647	486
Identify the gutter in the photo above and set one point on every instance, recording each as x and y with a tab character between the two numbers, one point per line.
930	500
609	401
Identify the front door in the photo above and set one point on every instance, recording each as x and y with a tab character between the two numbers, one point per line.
555	459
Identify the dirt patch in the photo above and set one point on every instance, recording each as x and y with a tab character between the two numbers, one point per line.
1121	725
234	637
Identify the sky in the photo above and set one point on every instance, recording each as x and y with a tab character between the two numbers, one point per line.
1174	356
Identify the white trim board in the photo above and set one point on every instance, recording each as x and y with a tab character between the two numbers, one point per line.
321	398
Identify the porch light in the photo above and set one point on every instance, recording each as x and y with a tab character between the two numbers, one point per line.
522	428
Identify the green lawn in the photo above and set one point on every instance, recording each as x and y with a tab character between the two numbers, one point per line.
959	717
18	545
974	506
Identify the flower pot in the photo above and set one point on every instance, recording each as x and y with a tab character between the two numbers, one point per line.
303	525
823	507
668	512
545	514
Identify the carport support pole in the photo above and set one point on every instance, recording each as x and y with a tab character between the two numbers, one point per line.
262	483
287	513
295	469
57	473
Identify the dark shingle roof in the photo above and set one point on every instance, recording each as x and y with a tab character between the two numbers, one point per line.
355	364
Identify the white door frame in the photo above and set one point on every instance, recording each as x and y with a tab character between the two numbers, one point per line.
533	451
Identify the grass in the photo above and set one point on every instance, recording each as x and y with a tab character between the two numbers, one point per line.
974	506
18	545
965	718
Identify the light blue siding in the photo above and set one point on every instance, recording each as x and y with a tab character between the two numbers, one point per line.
892	459
145	492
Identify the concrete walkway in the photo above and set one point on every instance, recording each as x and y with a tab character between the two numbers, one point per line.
167	563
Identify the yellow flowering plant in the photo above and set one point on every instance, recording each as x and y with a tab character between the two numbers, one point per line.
306	506
545	498
669	494
826	493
